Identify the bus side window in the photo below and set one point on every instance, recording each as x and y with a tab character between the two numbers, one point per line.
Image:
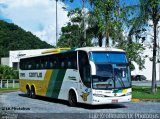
30	65
62	61
65	60
69	64
22	64
50	65
37	66
25	66
46	64
42	65
84	68
58	62
72	60
62	65
52	61
33	64
54	64
75	64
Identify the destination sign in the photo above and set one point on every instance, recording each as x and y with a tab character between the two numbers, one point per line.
32	75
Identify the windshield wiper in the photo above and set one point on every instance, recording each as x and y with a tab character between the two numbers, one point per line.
121	81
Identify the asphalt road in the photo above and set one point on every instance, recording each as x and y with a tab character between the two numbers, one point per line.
17	102
144	83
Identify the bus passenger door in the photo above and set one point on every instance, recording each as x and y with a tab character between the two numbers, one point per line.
85	78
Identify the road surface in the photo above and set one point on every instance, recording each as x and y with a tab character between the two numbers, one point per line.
144	83
17	102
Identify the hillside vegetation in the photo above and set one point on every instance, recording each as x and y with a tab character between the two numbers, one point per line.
13	37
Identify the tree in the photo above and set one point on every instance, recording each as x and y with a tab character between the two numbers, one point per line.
94	17
72	33
109	17
93	28
112	22
148	10
13	37
128	24
103	22
152	9
134	52
7	72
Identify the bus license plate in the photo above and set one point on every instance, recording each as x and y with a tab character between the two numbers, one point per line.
114	101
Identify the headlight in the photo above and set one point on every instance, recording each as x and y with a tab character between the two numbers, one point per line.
98	95
128	94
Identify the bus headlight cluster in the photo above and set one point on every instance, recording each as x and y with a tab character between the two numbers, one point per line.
128	94
98	95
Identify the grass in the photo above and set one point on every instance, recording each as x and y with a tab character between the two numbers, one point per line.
10	85
8	89
144	92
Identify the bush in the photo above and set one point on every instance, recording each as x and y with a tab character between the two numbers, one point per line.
7	72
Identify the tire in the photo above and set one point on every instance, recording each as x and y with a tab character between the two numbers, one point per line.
28	92
33	94
139	78
72	99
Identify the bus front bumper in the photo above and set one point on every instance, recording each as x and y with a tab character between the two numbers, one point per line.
110	100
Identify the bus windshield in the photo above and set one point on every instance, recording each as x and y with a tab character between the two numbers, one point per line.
108	57
112	70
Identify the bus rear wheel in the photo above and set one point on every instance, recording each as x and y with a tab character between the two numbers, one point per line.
33	94
28	92
72	99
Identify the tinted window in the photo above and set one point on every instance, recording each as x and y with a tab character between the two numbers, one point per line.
108	57
66	60
84	68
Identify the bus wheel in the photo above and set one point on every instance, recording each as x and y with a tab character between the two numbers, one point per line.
28	92
72	98
33	95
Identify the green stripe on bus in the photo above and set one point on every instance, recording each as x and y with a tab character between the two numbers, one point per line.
58	83
115	91
52	82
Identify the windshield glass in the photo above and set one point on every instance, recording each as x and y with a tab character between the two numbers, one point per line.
112	70
121	75
108	57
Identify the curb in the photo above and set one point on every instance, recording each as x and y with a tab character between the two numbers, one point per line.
5	91
150	100
145	100
135	100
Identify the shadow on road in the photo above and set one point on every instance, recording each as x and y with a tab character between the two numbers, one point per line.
80	105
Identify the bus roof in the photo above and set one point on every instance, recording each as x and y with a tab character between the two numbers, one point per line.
89	49
63	50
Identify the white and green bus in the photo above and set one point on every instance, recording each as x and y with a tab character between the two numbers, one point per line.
90	75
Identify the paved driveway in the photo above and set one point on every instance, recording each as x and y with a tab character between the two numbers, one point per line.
144	83
16	102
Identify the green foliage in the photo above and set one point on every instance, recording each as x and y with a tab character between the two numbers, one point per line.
108	19
7	72
13	37
135	53
109	15
140	14
148	10
132	67
73	33
93	29
112	21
